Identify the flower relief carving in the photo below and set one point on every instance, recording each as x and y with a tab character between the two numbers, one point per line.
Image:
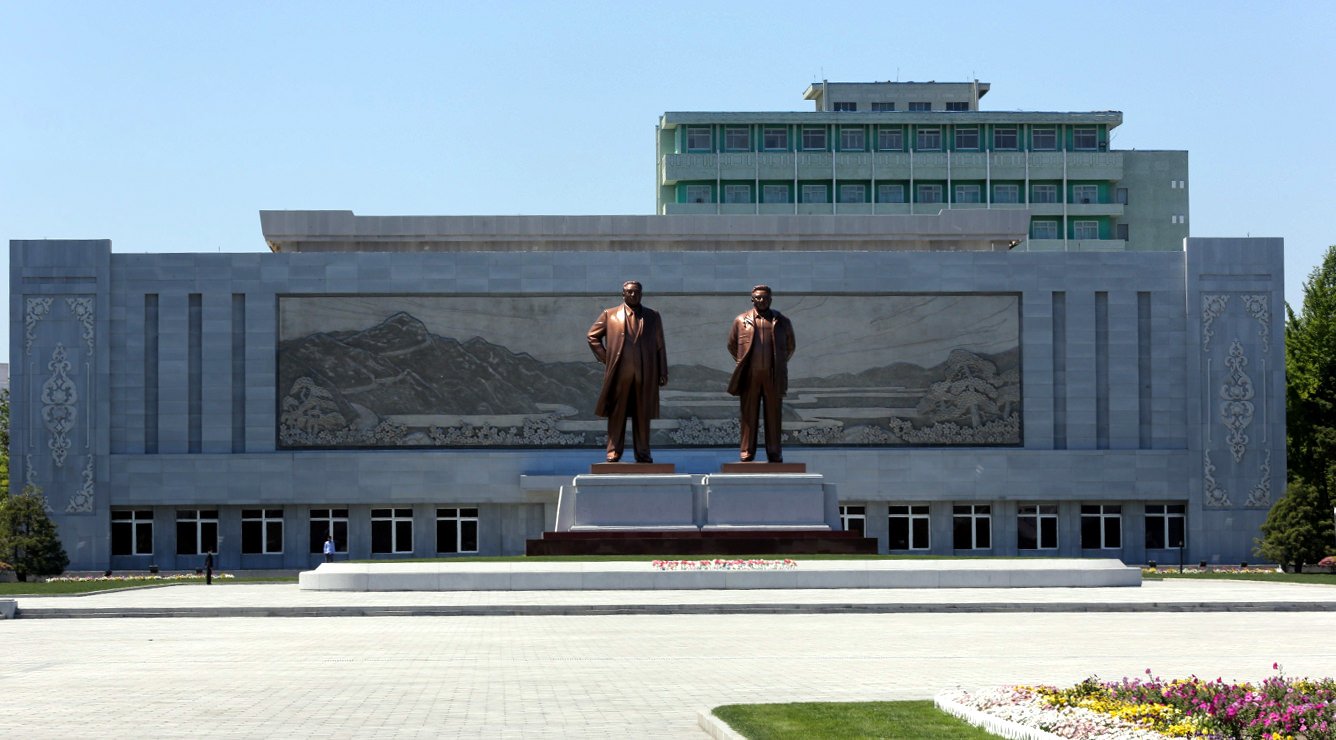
82	308
1257	307
81	501
59	397
34	310
1212	494
1260	495
1236	410
30	479
1212	305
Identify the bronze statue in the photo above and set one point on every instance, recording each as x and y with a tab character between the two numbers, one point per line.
761	341
628	340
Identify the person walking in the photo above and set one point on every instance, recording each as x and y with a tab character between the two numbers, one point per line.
208	568
329	548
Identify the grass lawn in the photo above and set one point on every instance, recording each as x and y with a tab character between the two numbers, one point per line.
870	719
67	588
1326	579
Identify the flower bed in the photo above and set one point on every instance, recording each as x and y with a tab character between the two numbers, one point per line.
171	577
1279	708
721	564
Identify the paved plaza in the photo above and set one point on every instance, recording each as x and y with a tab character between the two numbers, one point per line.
606	675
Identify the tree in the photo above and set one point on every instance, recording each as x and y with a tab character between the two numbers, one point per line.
1297	531
1310	400
28	539
4	440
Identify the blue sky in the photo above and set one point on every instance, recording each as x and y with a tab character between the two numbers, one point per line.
166	127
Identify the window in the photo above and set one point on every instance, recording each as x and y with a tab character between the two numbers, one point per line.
971	527
920	106
929	194
967	137
132	532
814	138
1004	137
775	138
1044	139
929	139
774	193
815	194
883	107
1006	193
698	139
1043	193
737	193
967	193
457	530
1085	193
853	139
737	138
261	531
1120	196
699	194
908	527
1085	137
1044	230
326	522
890	193
1121	231
890	139
958	105
1165	524
1037	527
1085	230
391	530
844	106
854	519
1101	527
196	531
853	193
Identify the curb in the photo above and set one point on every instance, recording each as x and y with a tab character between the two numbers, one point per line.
715	727
656	609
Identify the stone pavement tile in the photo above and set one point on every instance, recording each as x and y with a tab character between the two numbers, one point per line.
640	676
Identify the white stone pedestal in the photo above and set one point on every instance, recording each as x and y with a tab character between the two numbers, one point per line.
781	501
594	502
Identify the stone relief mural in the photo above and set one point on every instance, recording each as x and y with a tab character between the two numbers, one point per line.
515	371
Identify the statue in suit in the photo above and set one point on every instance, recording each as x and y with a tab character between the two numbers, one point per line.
761	342
628	340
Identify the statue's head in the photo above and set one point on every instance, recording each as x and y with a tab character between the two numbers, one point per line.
631	292
760	297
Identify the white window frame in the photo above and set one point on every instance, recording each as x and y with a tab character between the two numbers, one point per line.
767	191
810	189
957	106
330	518
1056	232
968	193
1166	513
920	106
731	191
847	136
1104	513
999	131
1048	190
930	134
975	515
460	515
844	106
201	518
847	191
1085	132
850	513
1013	190
731	132
395	517
1040	513
922	188
884	189
1082	230
265	519
974	130
883	107
1049	132
1085	194
810	133
693	193
911	513
768	134
896	132
134	519
693	143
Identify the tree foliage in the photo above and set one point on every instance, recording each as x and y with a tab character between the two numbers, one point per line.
28	539
4	440
1297	531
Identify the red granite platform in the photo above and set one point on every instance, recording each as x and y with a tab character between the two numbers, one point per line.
698	542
